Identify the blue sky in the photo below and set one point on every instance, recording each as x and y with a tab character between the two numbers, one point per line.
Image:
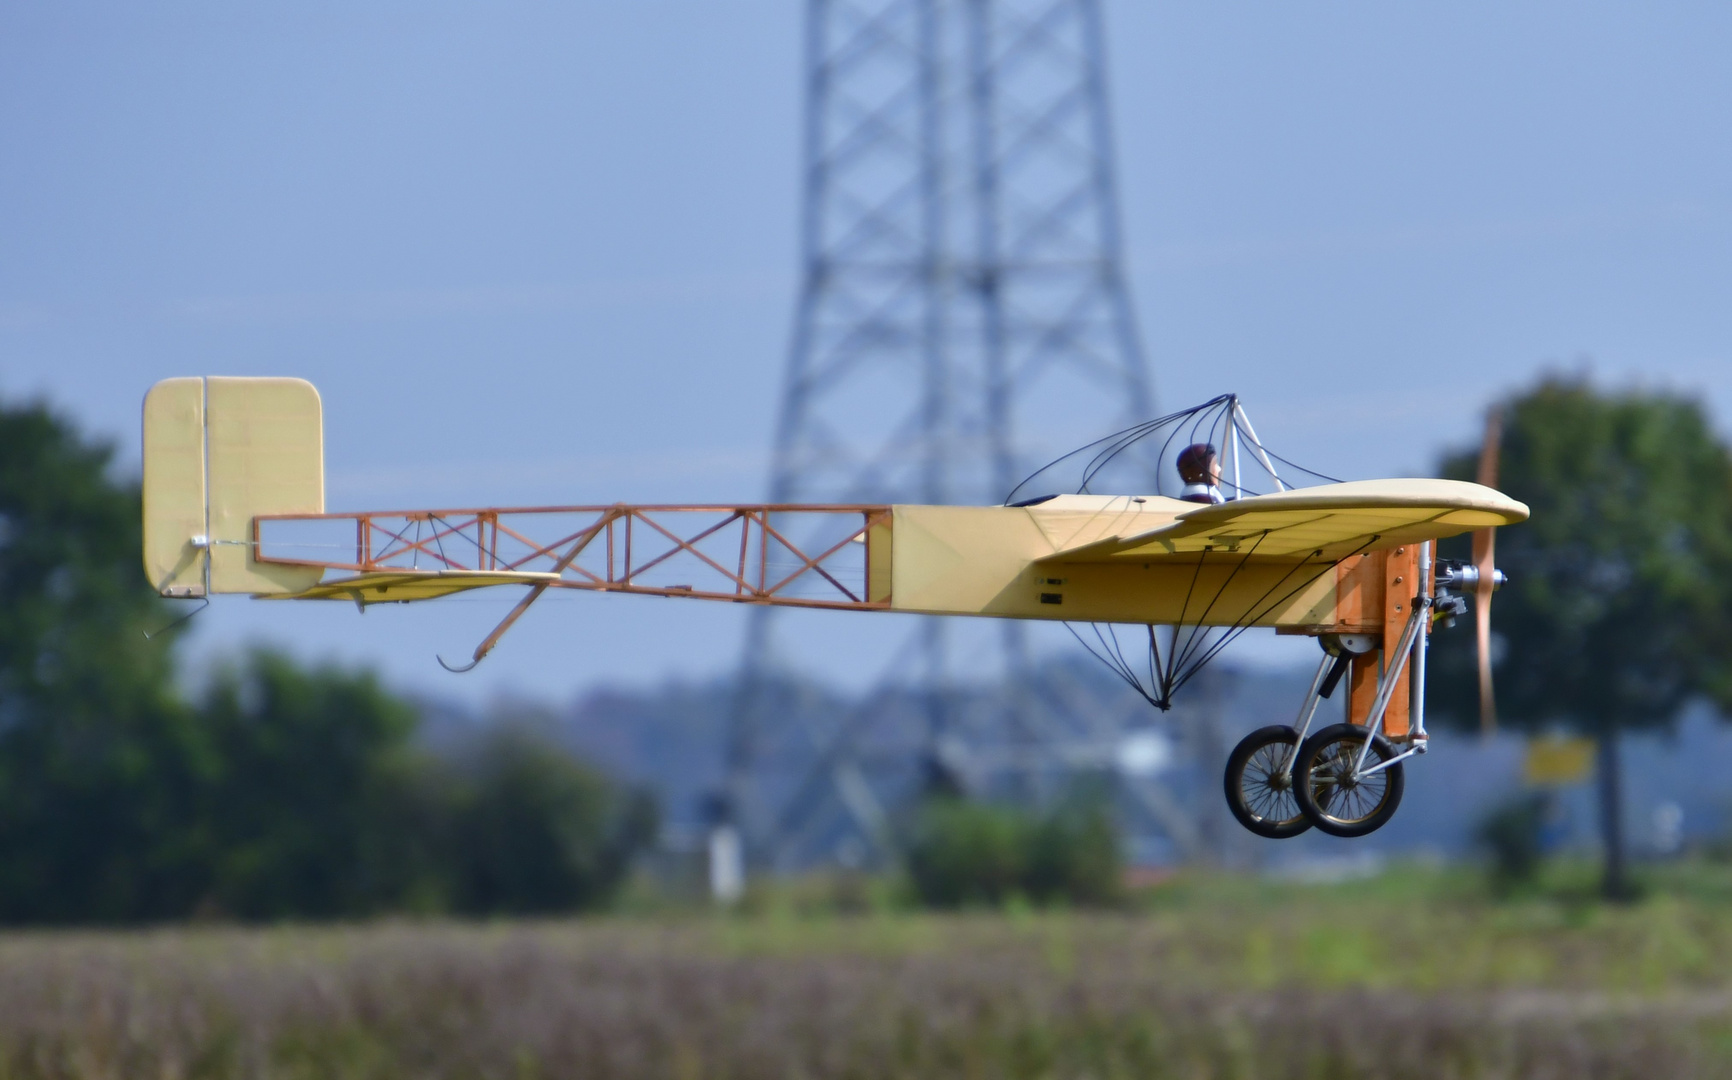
546	253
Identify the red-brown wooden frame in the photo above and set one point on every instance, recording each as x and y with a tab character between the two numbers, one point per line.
383	545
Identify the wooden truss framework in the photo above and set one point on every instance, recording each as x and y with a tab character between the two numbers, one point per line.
741	553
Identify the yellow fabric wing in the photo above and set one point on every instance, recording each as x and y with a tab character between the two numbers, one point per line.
1329	522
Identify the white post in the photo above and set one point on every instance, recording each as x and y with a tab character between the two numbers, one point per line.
727	865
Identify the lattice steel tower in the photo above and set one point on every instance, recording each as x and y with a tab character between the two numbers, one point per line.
962	309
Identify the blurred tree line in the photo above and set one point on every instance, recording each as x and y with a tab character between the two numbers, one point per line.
279	792
975	854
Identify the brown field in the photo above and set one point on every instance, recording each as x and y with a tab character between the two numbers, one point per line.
1415	974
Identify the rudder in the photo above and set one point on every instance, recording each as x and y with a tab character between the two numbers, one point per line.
218	452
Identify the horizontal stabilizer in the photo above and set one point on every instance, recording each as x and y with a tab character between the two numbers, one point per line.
401	586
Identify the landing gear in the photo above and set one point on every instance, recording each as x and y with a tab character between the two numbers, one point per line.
1259	783
1346	779
1343	787
1259	779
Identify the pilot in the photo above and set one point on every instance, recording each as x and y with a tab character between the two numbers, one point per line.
1200	469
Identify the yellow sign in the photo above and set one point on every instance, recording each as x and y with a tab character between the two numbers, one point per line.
1558	759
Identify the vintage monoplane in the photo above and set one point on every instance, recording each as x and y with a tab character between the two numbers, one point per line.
234	503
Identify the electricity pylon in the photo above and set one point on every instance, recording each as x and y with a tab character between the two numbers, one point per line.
962	292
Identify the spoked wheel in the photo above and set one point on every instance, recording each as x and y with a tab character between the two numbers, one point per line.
1328	793
1259	783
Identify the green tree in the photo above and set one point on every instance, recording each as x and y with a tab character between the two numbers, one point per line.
965	853
282	792
322	803
968	853
1075	855
538	831
98	757
317	803
1619	609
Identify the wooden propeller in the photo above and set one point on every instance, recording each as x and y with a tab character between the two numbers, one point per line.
1484	560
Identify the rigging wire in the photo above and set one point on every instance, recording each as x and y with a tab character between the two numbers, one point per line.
1190	645
1208	422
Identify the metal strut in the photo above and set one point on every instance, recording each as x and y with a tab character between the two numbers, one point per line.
1386	690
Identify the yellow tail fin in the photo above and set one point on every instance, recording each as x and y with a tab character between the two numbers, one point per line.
219	451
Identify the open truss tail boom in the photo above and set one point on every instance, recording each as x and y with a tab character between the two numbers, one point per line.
809	556
767	554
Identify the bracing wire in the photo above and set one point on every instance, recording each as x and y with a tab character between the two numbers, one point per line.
1191	644
1084	470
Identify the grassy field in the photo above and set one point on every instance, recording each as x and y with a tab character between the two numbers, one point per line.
1417	973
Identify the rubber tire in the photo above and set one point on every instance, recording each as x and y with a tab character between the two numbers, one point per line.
1304	790
1233	783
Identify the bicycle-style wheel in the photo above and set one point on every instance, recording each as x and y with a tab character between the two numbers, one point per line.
1259	783
1329	794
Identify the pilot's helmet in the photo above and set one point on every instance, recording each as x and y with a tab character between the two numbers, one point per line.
1196	463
